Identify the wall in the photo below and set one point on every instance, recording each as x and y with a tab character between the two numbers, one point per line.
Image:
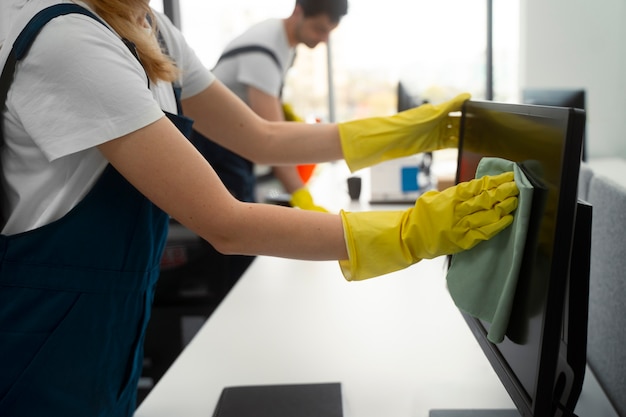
580	43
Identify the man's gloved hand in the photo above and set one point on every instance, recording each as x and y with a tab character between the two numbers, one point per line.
426	128
440	223
302	198
290	115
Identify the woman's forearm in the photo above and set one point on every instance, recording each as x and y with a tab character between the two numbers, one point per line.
220	115
261	229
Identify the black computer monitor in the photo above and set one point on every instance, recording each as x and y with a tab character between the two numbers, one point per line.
541	361
557	97
406	100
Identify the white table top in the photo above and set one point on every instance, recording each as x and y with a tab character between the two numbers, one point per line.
396	343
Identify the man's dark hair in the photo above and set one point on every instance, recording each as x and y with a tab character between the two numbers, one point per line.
334	9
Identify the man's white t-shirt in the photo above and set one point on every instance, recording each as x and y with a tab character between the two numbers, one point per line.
78	87
257	69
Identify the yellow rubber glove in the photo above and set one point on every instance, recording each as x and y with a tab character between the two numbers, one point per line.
426	128
290	115
302	199
440	223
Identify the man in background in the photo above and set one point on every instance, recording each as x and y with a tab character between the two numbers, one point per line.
254	66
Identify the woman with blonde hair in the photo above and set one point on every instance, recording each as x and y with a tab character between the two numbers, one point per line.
94	163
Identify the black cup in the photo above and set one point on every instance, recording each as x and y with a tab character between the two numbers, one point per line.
354	187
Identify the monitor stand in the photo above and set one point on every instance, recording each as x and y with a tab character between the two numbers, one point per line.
474	413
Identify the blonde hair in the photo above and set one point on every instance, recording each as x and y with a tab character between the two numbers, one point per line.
126	18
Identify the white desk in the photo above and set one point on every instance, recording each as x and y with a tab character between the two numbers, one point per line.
397	343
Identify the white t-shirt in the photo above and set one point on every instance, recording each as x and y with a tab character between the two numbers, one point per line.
78	87
257	69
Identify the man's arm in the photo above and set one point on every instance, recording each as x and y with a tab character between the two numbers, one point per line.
270	108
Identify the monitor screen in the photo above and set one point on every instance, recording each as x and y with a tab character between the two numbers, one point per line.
546	142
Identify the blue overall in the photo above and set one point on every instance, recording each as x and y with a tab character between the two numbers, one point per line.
235	171
75	299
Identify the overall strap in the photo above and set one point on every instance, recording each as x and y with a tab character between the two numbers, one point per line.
175	85
20	49
27	36
30	32
255	48
252	48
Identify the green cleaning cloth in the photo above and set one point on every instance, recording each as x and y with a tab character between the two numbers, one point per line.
482	280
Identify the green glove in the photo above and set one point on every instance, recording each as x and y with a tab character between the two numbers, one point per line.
302	198
440	223
426	128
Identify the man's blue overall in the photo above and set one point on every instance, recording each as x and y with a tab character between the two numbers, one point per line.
75	297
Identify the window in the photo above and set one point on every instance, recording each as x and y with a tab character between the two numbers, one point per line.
438	48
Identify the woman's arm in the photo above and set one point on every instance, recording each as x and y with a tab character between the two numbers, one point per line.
220	115
163	165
